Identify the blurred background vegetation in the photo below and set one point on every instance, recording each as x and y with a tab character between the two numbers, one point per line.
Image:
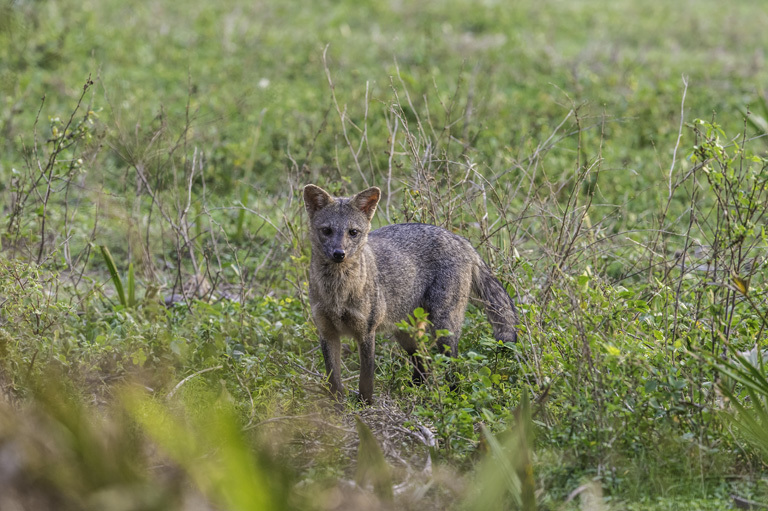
608	160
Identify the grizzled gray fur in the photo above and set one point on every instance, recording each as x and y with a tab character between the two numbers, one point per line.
364	281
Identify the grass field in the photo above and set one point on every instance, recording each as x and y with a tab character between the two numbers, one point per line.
607	159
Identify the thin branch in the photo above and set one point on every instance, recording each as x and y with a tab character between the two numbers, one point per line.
193	375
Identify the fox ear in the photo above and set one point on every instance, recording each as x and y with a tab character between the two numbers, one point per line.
315	199
367	200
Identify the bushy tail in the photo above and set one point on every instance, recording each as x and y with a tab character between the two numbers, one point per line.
499	306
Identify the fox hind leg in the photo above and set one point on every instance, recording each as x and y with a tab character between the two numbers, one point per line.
411	346
449	345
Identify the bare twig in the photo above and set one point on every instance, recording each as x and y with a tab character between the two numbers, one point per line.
193	375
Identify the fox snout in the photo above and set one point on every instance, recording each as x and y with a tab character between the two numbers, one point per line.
338	255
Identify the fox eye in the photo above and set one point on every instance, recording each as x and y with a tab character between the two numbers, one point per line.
354	232
326	231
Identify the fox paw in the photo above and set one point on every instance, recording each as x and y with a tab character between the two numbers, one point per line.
368	401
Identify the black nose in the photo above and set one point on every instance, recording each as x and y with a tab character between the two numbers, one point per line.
338	255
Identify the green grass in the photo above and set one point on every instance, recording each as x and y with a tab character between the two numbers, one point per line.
164	165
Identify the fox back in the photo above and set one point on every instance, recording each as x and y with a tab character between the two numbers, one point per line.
362	281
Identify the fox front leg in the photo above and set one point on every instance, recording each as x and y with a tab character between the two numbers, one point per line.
367	366
331	347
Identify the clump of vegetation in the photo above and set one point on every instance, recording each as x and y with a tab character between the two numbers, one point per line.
156	350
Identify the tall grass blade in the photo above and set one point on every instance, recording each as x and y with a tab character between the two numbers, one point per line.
505	475
116	280
214	452
371	465
131	287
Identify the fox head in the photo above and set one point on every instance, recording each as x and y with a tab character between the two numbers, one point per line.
339	226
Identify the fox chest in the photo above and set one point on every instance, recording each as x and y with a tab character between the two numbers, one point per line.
351	316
